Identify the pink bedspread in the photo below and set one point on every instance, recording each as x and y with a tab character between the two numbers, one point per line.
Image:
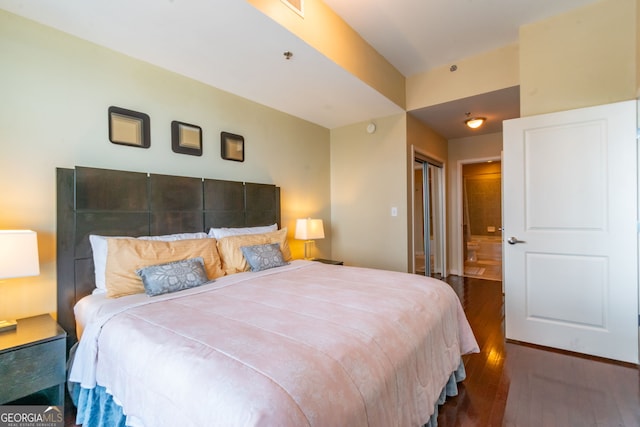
304	345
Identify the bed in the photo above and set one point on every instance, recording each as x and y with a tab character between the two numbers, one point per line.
286	343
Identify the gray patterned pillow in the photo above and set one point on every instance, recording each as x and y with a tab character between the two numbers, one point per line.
263	257
173	276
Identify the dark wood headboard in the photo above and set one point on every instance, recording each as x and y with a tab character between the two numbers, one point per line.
119	203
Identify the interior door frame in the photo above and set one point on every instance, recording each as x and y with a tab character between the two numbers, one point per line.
459	243
417	154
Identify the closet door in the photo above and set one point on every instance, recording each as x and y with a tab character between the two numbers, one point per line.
433	237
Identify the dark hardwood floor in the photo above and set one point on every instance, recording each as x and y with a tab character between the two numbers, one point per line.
516	385
510	384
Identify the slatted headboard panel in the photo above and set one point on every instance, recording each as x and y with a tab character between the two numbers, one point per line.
119	203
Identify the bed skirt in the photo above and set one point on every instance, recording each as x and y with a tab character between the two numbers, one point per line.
450	389
96	407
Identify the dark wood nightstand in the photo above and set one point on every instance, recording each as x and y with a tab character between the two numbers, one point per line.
33	360
328	261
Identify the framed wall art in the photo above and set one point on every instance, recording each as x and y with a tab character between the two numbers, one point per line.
232	146
186	138
128	127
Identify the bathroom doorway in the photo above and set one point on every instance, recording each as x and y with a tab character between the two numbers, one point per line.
482	220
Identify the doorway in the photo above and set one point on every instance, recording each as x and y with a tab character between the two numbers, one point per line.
482	220
429	230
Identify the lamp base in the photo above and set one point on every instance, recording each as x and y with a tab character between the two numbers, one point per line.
8	325
307	252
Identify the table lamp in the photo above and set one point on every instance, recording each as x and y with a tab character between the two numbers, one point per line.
309	230
18	258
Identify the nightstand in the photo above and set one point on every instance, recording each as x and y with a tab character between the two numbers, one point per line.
32	360
328	261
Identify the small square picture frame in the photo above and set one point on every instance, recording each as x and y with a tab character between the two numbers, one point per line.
232	146
128	127
186	138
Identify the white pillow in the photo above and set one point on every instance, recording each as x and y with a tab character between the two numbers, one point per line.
99	248
219	233
174	237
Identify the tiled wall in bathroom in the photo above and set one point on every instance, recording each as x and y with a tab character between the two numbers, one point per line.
483	197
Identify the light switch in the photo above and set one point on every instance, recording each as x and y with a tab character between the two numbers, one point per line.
394	211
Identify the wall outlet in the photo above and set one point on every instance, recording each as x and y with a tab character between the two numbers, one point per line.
394	211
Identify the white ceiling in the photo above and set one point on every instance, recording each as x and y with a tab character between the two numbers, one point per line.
230	45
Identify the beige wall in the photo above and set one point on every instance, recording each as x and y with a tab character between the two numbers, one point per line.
368	178
582	58
425	140
493	70
637	37
56	90
464	150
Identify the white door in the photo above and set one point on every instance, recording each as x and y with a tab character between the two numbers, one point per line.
570	210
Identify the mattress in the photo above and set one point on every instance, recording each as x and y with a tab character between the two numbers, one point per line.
307	344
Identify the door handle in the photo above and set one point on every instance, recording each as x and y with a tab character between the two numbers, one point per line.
513	240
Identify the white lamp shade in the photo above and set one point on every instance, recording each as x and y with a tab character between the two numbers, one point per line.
309	229
18	254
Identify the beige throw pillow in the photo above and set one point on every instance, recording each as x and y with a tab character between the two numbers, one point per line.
125	256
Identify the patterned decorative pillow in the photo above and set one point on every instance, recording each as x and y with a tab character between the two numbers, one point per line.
233	260
173	276
263	257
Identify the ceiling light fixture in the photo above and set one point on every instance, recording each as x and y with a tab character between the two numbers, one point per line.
474	122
